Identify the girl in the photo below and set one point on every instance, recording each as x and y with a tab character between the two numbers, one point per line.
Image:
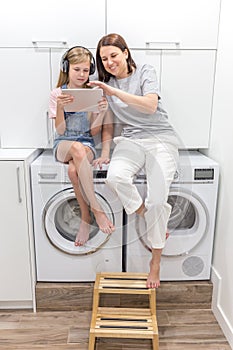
74	142
147	140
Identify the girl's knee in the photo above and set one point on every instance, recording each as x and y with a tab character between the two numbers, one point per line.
78	151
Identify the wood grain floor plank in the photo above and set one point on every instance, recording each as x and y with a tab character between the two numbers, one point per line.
54	319
45	347
34	336
203	333
189	316
179	329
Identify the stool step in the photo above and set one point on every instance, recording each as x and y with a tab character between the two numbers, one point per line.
122	283
125	323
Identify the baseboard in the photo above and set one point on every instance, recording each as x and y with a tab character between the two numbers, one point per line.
217	309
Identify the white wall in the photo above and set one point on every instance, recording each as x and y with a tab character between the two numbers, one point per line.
221	149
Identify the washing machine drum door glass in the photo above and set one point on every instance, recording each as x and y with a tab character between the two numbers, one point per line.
188	223
62	218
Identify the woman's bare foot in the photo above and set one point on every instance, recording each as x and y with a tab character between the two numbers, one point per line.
105	225
153	280
83	234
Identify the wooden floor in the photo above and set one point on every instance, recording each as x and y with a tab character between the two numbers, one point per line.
182	326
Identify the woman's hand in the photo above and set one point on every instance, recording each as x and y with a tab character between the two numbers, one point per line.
100	161
103	105
63	100
108	90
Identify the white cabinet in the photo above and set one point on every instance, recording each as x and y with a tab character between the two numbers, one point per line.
187	83
55	21
16	263
167	23
25	87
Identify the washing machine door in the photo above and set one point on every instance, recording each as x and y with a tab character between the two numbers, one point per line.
61	220
188	223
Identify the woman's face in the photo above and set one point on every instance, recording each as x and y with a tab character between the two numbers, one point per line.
78	74
114	61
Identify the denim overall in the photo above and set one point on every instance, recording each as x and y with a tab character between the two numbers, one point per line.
77	129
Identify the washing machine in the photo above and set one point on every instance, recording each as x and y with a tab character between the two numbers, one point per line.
56	216
188	251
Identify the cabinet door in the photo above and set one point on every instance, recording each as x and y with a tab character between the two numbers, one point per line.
15	275
187	82
25	87
162	24
77	22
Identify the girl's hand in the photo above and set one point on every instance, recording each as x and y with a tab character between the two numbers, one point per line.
63	100
100	161
108	90
103	104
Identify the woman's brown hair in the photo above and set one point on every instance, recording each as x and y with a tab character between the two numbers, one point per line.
112	40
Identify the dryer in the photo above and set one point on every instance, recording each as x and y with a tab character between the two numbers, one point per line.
56	217
188	251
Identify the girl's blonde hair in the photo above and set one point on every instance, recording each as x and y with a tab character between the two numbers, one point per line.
73	56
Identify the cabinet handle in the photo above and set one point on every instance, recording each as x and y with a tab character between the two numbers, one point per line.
47	127
50	129
175	42
18	184
38	42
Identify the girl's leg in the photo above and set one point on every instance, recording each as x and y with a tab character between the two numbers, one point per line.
82	157
84	228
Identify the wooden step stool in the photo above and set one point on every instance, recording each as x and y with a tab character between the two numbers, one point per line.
119	322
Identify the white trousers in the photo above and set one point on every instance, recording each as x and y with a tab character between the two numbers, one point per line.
159	160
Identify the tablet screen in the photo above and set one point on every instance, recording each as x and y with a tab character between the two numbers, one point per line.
84	99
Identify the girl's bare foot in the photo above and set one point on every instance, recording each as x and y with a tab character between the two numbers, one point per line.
83	234
105	225
153	280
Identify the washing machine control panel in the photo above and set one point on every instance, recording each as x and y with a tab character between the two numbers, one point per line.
204	174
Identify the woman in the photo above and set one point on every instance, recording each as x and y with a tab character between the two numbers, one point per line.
147	140
74	142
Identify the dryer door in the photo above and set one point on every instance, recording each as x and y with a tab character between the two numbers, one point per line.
61	219
188	223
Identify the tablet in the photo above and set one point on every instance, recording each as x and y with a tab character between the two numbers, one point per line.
84	99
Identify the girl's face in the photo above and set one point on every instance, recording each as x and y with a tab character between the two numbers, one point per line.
114	61
78	74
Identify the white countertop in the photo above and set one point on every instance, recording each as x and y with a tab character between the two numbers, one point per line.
17	153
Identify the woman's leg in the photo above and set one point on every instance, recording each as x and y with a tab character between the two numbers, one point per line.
161	164
127	159
82	157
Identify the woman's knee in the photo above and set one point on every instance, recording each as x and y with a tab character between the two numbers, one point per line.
117	177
